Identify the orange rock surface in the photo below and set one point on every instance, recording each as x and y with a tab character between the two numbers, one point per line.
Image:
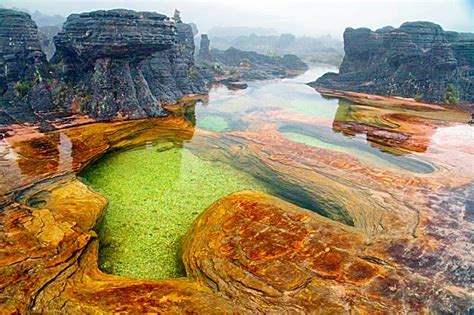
390	241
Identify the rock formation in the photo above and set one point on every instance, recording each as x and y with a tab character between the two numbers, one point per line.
404	249
102	52
115	64
172	73
204	47
24	74
418	59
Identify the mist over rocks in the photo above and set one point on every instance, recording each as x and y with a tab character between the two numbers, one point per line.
46	34
418	59
235	64
322	49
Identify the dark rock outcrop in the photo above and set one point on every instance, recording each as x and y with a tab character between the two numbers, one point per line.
418	59
172	73
114	64
24	75
101	53
114	34
204	47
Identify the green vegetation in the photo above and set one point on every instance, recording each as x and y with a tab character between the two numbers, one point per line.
154	195
22	88
452	95
217	68
192	72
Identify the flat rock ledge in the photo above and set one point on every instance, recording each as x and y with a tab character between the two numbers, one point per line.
248	252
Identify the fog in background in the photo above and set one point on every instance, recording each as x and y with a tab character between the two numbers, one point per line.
298	17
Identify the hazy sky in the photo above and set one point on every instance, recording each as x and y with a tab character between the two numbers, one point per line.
299	17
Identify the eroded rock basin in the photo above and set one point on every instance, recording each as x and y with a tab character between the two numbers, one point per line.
155	192
336	231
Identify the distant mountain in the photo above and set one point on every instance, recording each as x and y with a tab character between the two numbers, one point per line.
46	34
236	31
47	20
324	49
40	18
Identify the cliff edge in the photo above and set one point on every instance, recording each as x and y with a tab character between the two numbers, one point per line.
418	59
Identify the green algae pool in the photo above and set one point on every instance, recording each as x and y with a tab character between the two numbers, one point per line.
154	195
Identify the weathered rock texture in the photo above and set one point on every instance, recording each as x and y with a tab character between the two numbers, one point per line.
115	64
101	52
172	73
418	59
53	266
273	257
23	75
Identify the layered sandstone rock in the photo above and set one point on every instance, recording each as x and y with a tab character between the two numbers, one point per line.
114	34
172	73
101	52
390	241
418	59
23	88
49	262
115	64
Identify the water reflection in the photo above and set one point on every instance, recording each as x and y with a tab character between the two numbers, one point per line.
356	146
266	105
32	157
387	132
